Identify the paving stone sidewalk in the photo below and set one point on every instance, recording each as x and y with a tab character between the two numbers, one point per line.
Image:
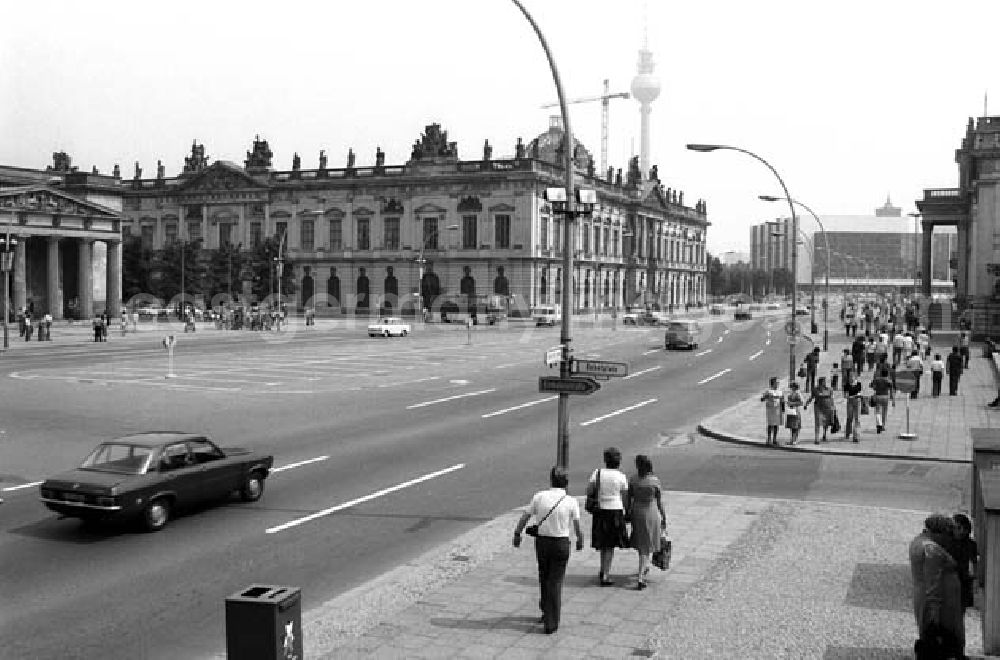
941	423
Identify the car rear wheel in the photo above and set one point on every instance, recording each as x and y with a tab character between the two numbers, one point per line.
253	488
156	514
402	333
386	334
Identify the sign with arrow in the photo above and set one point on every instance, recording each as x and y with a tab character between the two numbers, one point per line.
557	385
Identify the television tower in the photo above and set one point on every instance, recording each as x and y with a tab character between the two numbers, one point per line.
645	89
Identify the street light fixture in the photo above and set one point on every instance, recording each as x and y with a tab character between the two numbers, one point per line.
793	325
421	261
916	251
826	241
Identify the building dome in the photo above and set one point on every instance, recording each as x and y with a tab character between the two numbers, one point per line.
547	146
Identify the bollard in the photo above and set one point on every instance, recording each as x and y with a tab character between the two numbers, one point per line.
264	622
988	538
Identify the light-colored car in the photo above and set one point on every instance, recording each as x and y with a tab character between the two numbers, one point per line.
546	315
390	326
682	333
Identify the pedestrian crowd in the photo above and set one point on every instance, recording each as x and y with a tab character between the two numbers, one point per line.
626	512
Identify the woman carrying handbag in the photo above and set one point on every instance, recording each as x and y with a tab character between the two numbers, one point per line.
610	486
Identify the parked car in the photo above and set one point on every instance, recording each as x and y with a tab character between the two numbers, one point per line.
682	333
389	326
151	475
772	306
716	310
546	315
630	318
742	315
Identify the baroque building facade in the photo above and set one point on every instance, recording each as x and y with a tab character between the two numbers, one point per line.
363	239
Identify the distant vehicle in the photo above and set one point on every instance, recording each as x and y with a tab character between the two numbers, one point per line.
799	311
755	308
773	306
151	475
682	333
716	310
484	308
742	315
630	317
389	326
546	315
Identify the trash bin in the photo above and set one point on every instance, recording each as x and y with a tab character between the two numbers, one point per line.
264	622
813	329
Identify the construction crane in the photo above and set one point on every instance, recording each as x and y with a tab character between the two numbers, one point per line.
604	99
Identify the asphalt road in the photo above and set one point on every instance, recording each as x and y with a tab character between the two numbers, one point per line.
434	436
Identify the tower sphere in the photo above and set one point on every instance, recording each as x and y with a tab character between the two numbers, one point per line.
645	87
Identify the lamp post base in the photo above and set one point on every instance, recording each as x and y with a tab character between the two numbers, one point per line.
907	436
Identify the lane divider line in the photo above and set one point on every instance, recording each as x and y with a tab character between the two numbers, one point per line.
655	350
721	373
757	354
644	371
450	398
704	352
523	405
617	412
726	332
767	343
299	464
719	341
21	486
361	500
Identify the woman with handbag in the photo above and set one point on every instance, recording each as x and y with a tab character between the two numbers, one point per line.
555	513
793	412
645	509
824	413
774	407
608	490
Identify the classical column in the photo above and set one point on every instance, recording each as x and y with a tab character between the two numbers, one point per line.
85	281
925	259
962	261
54	281
20	274
113	279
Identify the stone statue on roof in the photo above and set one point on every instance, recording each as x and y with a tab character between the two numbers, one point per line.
322	159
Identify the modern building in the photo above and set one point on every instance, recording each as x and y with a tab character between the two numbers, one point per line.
771	245
733	257
361	239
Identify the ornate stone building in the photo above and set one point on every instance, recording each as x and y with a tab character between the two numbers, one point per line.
359	237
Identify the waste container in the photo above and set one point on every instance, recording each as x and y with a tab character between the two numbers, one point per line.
813	328
264	622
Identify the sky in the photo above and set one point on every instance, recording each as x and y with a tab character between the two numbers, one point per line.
850	102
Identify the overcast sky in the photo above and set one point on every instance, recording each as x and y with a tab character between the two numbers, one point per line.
849	101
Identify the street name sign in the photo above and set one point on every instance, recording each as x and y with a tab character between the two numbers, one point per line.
553	356
600	368
792	329
906	380
557	385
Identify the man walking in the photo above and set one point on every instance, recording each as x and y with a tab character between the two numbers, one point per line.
963	346
897	348
953	367
812	363
937	375
858	354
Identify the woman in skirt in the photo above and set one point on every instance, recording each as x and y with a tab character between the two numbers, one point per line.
824	410
646	512
608	530
793	416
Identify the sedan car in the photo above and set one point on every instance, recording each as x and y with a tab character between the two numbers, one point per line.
389	326
150	475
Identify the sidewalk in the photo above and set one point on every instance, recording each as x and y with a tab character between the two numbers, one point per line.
942	424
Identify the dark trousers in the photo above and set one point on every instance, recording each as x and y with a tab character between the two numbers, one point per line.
897	353
953	383
552	555
859	364
964	352
936	378
810	380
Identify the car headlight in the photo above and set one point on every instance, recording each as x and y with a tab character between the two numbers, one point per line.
105	500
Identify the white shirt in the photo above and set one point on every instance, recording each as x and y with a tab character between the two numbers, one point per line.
907	343
613	482
560	521
937	365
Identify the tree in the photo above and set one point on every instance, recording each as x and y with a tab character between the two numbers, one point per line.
169	265
137	268
260	266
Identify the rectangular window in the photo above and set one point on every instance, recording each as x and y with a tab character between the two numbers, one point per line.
430	233
307	235
615	252
557	235
170	233
543	238
364	234
469	236
597	240
336	234
147	237
502	235
280	229
255	233
225	233
604	243
586	239
391	233
194	230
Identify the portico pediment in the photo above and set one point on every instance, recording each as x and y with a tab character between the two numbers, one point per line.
429	209
221	176
46	200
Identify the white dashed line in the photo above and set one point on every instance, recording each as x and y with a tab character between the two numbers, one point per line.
523	405
706	351
21	486
720	341
361	500
639	373
449	398
299	464
721	373
505	366
767	343
655	350
726	332
757	355
617	412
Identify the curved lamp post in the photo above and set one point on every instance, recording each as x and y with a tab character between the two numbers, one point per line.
421	261
826	241
795	232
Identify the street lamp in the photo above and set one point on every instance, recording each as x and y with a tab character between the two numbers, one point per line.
916	254
279	263
424	239
826	241
7	262
793	326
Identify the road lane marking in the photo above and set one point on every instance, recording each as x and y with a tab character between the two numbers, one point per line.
361	500
757	354
505	366
655	350
299	464
709	350
523	405
767	343
721	373
720	341
10	488
726	332
449	398
617	412
639	373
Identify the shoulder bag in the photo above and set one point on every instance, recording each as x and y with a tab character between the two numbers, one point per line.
592	503
532	530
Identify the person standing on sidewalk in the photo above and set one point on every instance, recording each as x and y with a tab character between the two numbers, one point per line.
858	354
916	365
811	362
853	394
870	348
847	370
608	529
937	591
824	411
555	513
774	407
953	367
897	348
963	348
793	412
645	510
937	375
967	556
924	342
883	392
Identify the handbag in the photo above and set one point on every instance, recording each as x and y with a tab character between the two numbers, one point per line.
661	558
835	424
592	503
864	405
802	372
532	530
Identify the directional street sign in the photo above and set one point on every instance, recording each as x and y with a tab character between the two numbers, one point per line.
906	380
600	368
553	356
557	385
792	329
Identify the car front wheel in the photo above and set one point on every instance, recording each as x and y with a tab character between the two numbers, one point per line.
402	333
156	514
253	488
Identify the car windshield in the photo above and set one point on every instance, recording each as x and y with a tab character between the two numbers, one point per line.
119	457
679	326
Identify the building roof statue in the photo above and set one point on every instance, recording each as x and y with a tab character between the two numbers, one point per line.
61	162
433	143
634	173
260	157
296	161
322	159
197	161
379	157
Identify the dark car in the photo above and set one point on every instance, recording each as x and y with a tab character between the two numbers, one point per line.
742	315
151	475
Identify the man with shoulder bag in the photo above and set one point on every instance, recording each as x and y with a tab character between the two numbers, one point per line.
555	512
